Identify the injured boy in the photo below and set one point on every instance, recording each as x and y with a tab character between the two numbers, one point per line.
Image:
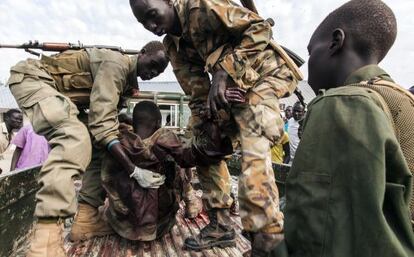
144	214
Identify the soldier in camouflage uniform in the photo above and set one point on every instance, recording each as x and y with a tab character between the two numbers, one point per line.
233	44
50	91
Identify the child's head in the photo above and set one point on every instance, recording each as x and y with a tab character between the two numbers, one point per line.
356	34
152	60
146	118
157	16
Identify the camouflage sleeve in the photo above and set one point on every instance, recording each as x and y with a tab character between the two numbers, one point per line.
189	71
253	32
109	81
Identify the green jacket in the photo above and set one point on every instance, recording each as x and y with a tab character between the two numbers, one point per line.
349	187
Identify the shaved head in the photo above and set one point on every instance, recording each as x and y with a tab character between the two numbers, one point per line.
371	24
358	33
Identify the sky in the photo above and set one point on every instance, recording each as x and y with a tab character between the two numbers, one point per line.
111	22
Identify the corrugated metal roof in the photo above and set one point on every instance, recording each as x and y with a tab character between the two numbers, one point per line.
307	93
160	86
171	245
7	100
173	86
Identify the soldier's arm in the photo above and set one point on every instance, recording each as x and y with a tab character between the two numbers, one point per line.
109	80
253	32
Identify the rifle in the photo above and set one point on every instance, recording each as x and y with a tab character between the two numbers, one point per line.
60	47
249	4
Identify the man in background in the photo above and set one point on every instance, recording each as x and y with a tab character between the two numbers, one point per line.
288	115
31	149
293	127
13	120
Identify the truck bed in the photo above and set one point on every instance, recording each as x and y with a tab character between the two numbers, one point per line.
170	245
17	202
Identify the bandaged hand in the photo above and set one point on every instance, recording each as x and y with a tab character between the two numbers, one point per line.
147	178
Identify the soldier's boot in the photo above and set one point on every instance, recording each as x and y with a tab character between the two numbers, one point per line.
89	223
219	232
193	205
47	240
264	243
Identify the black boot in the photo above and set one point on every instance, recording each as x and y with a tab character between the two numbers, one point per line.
263	243
219	232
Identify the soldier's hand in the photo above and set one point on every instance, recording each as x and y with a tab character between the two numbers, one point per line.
235	95
147	178
217	94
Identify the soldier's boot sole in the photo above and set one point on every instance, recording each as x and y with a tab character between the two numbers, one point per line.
221	244
201	242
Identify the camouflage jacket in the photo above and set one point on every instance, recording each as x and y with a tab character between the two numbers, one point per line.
220	35
134	212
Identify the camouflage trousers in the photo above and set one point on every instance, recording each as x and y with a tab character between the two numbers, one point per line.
54	116
260	126
214	179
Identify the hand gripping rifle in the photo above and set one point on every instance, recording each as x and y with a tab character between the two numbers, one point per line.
60	47
249	4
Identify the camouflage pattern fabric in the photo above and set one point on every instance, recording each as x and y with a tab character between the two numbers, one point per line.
144	214
138	213
220	35
214	179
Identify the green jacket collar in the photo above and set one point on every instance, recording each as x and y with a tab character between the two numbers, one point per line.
133	72
180	7
366	73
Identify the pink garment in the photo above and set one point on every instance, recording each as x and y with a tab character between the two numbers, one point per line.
34	147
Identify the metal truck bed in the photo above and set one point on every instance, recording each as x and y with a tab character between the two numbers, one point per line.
171	245
17	202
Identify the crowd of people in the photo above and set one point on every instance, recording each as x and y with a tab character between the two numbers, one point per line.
350	185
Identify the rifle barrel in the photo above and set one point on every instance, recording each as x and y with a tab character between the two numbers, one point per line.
10	46
60	47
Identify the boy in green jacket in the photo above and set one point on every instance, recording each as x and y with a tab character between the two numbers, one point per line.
349	188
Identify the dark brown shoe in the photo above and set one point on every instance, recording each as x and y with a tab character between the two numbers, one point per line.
218	232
